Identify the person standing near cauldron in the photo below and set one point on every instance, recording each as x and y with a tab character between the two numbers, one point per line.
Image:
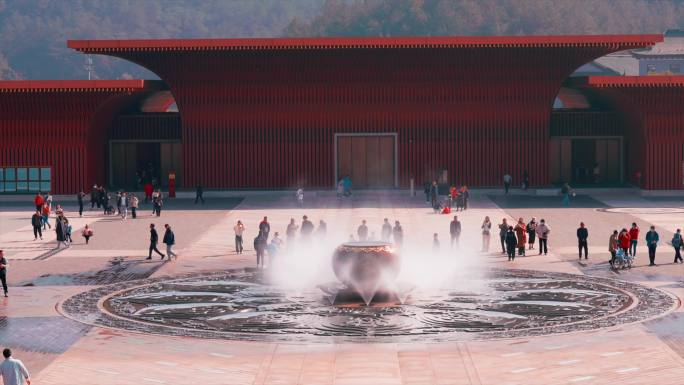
260	244
386	231
398	234
362	231
455	231
322	229
291	231
265	227
307	228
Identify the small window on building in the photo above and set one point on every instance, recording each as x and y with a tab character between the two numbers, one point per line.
25	179
675	68
651	68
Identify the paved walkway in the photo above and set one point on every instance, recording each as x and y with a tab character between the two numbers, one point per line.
61	351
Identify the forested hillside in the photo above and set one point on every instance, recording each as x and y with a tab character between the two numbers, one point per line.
33	32
491	17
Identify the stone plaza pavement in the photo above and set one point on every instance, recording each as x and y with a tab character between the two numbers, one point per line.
58	350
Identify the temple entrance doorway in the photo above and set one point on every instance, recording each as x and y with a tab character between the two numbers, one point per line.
370	160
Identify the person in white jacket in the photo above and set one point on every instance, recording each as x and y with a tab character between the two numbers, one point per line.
543	234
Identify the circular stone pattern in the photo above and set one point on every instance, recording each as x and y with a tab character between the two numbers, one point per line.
643	210
239	304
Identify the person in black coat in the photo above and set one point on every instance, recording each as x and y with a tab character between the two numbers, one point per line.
60	232
260	243
455	231
434	192
199	191
511	243
3	271
37	223
169	240
154	239
105	202
94	197
582	236
307	227
80	197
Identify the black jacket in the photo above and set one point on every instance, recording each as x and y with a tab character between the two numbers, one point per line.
60	230
169	238
511	240
260	243
307	227
36	220
154	237
582	234
455	227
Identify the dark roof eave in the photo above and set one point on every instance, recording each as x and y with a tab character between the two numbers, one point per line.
627	81
81	85
313	43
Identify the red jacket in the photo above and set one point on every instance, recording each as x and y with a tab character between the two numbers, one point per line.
148	189
624	240
634	233
521	233
39	200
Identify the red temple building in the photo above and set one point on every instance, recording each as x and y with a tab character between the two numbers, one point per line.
280	113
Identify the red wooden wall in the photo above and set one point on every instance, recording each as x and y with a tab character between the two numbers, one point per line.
260	117
53	123
655	105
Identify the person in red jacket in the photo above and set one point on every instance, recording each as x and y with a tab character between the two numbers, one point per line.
624	240
148	191
634	238
453	196
46	215
521	235
38	201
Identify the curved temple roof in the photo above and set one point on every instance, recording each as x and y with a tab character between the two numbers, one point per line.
363	43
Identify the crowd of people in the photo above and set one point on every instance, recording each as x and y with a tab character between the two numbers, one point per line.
101	199
623	244
522	236
515	239
306	231
456	199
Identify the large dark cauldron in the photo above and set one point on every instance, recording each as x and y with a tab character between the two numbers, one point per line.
366	267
